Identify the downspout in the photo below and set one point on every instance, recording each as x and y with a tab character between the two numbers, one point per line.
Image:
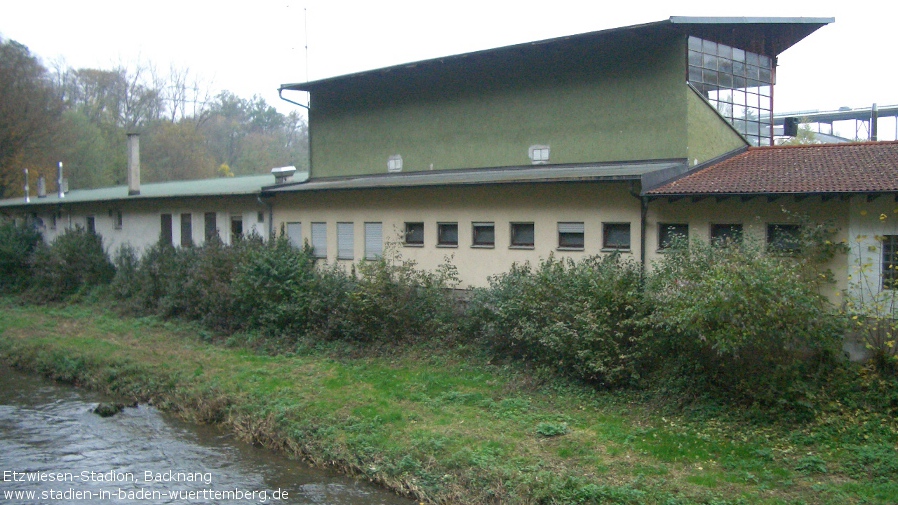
308	124
643	210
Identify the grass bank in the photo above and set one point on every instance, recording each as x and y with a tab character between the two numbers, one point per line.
447	426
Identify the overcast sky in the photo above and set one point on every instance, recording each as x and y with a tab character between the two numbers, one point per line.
253	47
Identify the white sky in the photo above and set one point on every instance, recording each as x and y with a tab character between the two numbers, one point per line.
252	47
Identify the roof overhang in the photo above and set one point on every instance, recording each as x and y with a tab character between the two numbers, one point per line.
763	35
607	172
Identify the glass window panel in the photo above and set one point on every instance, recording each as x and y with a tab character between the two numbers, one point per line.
447	234
764	91
695	44
738	82
725	51
709	47
753	128
738	68
764	61
765	102
522	234
414	233
616	235
672	234
695	58
725	79
752	59
725	65
754	74
764	75
738	54
484	234
709	61
721	234
709	76
695	74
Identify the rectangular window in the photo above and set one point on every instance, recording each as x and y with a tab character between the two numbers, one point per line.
571	236
186	230
118	220
890	262
672	234
165	230
260	217
211	225
616	236
319	240
374	240
484	235
91	223
722	234
236	228
345	241
783	237
447	234
294	233
53	221
414	233
522	235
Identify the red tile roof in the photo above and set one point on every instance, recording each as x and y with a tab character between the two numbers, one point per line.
864	167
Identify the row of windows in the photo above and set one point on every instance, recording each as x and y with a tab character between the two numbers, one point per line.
780	237
210	227
374	243
571	235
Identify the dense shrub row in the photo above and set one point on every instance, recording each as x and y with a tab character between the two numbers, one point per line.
584	317
278	290
738	323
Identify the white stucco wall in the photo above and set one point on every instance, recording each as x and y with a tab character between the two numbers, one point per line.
545	205
141	219
754	215
869	221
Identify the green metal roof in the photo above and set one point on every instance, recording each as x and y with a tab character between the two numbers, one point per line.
626	171
175	189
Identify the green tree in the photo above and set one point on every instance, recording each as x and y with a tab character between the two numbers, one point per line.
29	109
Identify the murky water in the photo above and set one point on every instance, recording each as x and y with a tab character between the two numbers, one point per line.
51	445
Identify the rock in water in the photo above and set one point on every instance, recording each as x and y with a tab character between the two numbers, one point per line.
108	409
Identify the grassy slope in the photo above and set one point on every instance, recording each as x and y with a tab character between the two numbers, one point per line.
449	427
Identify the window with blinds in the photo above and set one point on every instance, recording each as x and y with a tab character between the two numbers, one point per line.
345	241
319	240
571	236
374	241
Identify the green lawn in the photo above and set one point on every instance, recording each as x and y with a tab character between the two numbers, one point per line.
449	427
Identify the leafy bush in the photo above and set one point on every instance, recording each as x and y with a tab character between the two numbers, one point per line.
582	317
276	288
390	300
17	244
75	261
744	321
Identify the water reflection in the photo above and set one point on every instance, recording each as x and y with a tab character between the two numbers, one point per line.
51	445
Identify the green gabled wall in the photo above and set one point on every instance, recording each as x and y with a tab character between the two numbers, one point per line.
615	102
710	135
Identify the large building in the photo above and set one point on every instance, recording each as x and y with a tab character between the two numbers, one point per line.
610	141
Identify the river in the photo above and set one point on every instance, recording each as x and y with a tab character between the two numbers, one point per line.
53	446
